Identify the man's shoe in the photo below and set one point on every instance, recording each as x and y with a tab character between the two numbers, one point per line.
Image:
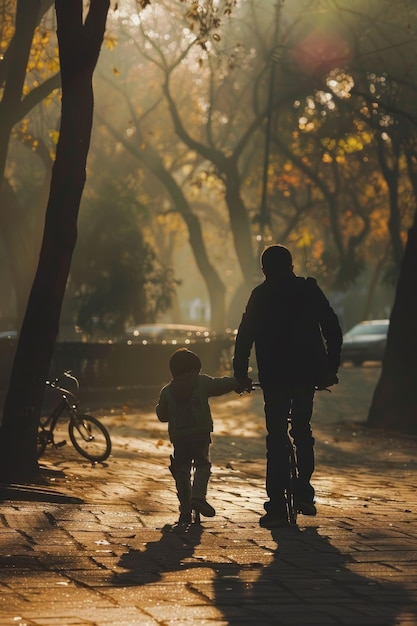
203	507
269	520
306	507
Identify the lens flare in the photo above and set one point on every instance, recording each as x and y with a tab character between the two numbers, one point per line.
320	52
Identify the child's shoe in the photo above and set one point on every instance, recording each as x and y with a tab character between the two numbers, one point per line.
200	505
185	519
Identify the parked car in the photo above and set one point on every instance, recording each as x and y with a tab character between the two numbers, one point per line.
8	334
365	342
169	334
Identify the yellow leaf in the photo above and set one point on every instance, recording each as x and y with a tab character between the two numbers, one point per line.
110	42
54	135
305	240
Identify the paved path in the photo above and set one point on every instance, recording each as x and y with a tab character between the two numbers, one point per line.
97	547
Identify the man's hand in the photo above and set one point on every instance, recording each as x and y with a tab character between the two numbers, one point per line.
244	384
327	380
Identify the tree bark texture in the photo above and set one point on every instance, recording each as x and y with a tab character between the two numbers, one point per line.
394	404
79	47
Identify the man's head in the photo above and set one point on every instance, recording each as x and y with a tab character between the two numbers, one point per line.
276	260
184	361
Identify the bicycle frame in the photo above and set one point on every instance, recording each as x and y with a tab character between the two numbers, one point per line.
48	423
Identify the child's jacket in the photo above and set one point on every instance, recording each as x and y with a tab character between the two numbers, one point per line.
183	403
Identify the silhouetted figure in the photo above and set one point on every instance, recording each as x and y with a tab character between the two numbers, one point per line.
298	340
183	403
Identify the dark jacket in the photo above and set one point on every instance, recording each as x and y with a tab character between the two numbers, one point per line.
297	334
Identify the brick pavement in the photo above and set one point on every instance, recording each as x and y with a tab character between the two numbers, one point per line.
97	547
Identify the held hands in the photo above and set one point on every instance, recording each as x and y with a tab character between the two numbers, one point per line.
243	384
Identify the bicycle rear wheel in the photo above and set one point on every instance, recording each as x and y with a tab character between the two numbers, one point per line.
90	438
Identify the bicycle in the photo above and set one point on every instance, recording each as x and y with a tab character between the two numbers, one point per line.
87	434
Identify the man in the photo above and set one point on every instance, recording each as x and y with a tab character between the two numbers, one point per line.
298	340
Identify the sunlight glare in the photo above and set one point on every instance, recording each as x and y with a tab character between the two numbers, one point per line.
320	52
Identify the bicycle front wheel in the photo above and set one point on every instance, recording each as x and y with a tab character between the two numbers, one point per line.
90	438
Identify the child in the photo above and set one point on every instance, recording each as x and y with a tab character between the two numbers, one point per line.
183	403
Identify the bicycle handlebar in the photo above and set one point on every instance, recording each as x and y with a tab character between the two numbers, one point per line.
256	385
54	384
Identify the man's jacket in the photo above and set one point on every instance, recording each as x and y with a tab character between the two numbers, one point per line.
296	333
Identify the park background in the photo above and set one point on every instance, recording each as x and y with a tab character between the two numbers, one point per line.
216	129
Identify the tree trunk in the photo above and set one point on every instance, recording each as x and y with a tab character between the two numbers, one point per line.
79	46
240	225
15	63
375	277
394	404
229	173
215	287
18	241
27	15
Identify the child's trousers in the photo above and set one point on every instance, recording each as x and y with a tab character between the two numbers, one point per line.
189	453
